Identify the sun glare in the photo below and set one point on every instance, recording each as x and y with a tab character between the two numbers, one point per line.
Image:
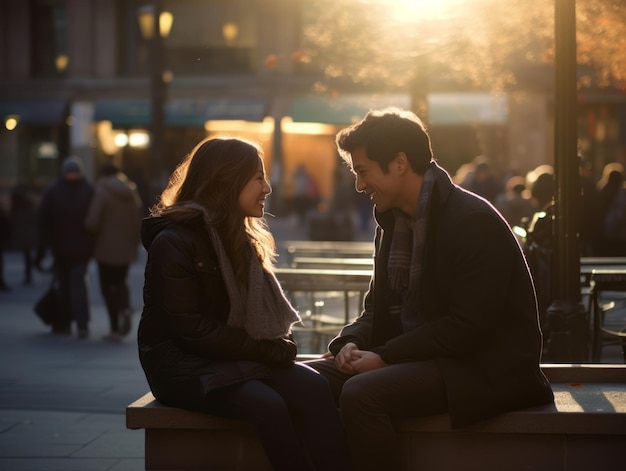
411	10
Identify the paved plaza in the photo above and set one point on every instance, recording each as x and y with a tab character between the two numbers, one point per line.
62	400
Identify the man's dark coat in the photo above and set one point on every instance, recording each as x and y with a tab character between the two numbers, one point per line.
477	309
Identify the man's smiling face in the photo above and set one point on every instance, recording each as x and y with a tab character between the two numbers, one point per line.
382	188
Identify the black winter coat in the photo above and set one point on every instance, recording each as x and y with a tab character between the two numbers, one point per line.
185	346
477	309
61	220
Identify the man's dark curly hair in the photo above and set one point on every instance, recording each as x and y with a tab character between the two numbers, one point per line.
385	133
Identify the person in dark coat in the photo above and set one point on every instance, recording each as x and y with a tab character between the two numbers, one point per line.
215	331
450	322
609	243
24	227
61	228
5	237
114	218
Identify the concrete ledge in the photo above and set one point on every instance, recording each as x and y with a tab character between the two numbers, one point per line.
584	429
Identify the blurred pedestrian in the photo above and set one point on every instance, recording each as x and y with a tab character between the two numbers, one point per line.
114	218
483	181
24	227
612	211
61	228
542	186
589	214
514	203
215	333
5	236
305	193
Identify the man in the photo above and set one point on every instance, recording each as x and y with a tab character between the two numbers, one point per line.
114	218
5	237
61	227
450	322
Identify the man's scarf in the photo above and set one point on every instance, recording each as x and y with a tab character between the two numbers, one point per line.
407	252
260	307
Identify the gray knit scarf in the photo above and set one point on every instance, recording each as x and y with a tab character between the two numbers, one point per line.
407	252
261	308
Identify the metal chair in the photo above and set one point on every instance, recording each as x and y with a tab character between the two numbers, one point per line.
603	331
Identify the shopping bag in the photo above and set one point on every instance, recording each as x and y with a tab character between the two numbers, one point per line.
47	306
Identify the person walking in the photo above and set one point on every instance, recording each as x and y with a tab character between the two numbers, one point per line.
5	237
114	218
450	322
23	218
215	331
61	229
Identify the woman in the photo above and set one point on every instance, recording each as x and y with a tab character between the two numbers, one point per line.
215	333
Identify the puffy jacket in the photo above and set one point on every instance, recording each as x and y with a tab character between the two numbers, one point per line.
186	347
115	218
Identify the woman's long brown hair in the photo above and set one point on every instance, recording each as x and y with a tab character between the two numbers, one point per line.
213	175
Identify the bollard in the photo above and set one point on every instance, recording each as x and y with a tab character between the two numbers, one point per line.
567	325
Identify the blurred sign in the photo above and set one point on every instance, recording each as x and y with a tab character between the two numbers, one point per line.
342	109
467	108
181	112
36	113
81	132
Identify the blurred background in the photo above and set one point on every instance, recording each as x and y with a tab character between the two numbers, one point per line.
90	78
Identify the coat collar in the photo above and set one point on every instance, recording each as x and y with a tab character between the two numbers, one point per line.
443	187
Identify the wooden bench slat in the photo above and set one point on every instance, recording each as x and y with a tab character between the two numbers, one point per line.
578	409
584	429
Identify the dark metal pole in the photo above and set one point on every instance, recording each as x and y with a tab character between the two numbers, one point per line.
567	318
157	103
277	201
566	159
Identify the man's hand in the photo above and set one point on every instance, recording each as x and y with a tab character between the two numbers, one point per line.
351	360
363	361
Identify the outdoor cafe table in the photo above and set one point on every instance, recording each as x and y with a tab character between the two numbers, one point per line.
590	264
323	280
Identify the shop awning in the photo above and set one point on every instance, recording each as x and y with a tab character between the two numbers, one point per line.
342	109
467	108
36	113
181	112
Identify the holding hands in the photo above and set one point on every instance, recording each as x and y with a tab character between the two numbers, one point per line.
351	360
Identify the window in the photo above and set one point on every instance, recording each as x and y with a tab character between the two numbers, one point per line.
211	37
49	34
208	37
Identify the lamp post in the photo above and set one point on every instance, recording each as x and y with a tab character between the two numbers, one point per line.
155	25
566	317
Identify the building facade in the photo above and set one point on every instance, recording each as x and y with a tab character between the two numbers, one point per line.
77	77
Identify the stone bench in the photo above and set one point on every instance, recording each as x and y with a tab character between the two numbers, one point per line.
585	429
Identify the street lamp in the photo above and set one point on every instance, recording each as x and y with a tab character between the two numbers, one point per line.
152	18
566	317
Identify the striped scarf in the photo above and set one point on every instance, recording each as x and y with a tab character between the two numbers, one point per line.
407	253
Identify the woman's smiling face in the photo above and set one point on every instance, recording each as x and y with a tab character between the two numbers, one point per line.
252	196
